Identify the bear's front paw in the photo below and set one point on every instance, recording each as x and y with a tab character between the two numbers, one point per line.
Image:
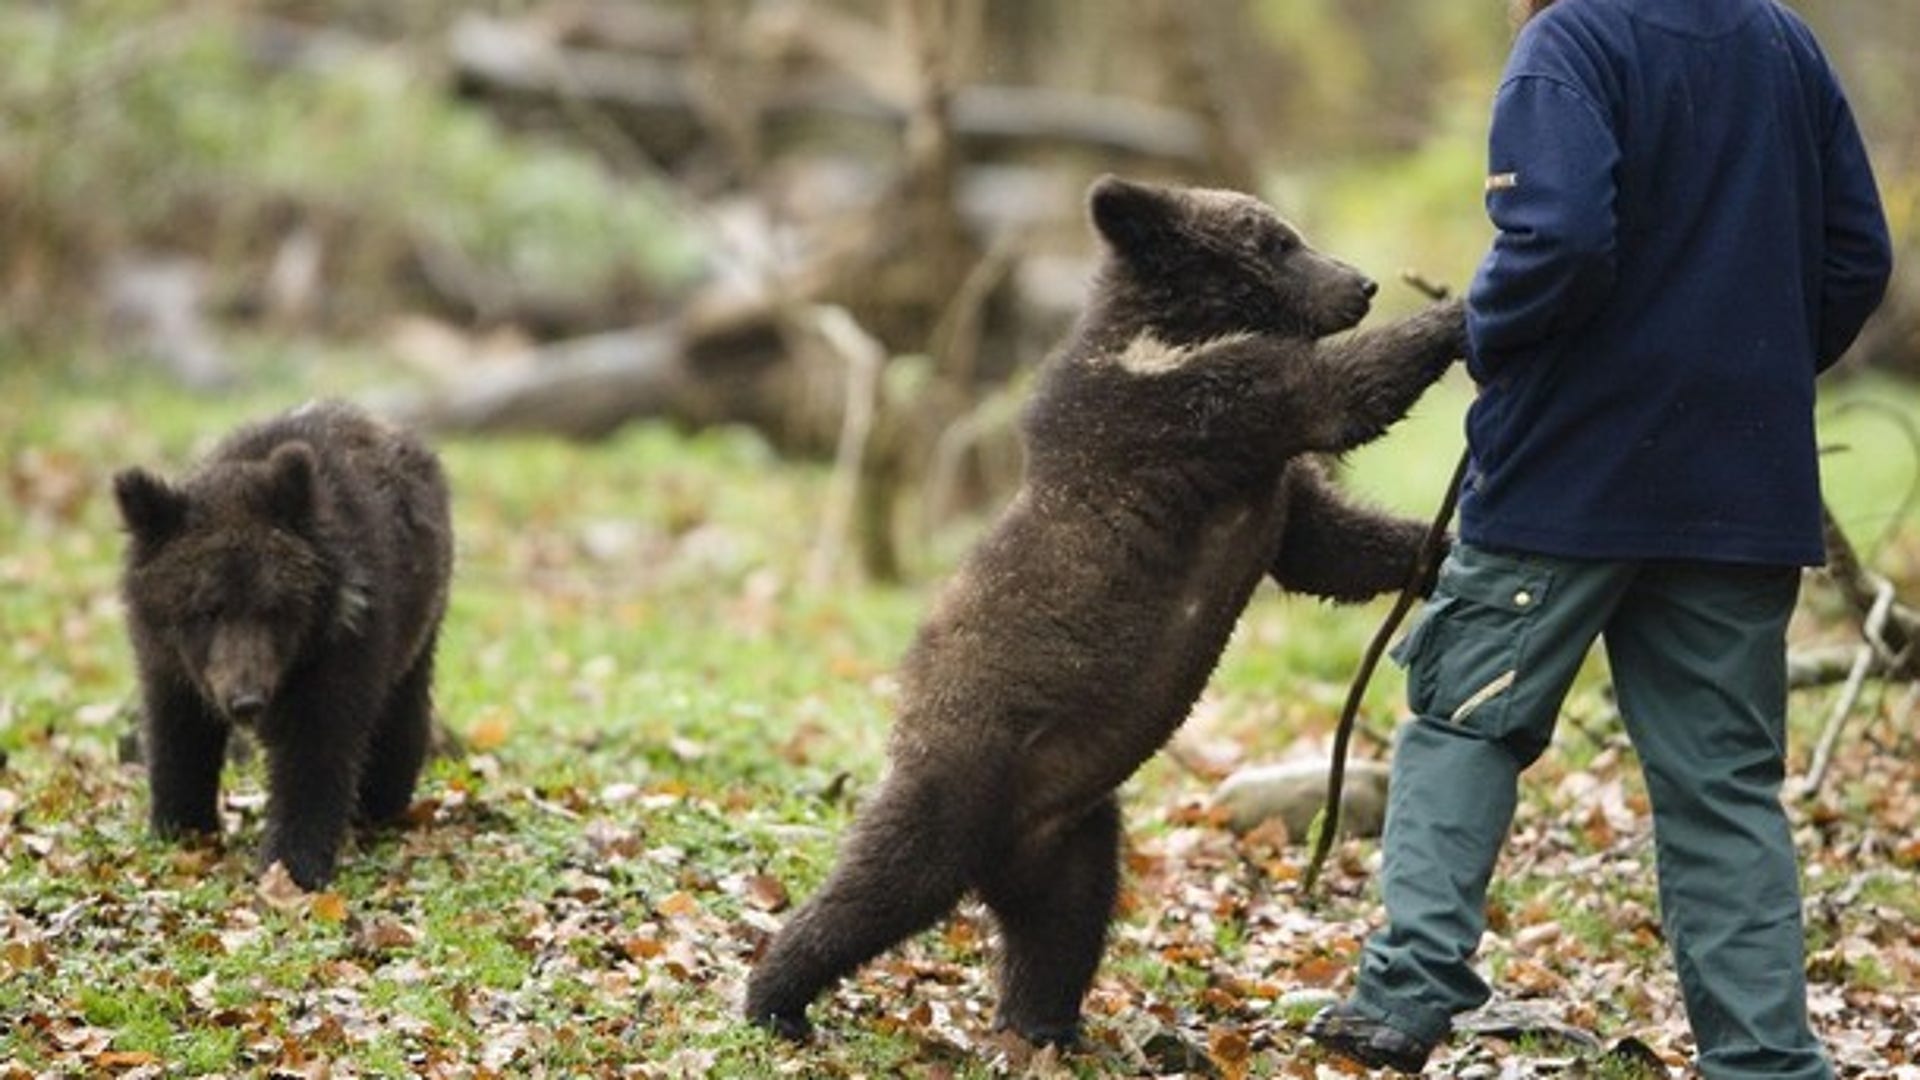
184	825
310	868
793	1027
1064	1034
1453	318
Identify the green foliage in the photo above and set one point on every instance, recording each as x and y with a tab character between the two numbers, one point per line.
126	120
1415	210
1353	86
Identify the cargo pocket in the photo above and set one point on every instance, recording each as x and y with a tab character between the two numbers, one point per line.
1464	655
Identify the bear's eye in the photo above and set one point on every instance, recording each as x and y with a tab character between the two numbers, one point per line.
1276	245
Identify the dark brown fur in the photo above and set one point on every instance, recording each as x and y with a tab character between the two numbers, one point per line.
293	584
1165	478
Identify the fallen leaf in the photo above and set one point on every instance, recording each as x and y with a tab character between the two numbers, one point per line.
766	892
489	730
328	907
386	935
1230	1051
679	905
1320	971
279	890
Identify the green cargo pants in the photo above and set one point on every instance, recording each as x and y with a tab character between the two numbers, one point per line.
1698	660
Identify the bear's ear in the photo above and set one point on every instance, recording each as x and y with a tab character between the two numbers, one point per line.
290	484
152	509
1131	216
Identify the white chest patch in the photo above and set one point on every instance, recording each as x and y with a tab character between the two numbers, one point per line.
351	606
1148	355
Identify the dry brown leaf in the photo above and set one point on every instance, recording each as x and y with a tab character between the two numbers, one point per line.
679	905
642	948
489	730
1528	977
1230	1051
386	935
278	889
1320	971
766	892
328	907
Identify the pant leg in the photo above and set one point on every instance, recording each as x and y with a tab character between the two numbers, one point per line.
1488	665
1699	660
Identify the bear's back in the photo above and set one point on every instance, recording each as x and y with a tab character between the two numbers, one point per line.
354	450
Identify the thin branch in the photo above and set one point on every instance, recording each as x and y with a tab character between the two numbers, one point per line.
864	357
1897	626
1836	721
955	339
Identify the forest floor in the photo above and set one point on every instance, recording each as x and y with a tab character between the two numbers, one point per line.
666	727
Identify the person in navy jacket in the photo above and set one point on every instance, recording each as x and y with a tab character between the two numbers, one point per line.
1688	232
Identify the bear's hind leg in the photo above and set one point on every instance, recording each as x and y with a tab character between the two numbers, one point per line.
399	746
185	746
903	866
1053	902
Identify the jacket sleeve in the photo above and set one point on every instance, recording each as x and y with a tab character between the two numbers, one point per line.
1858	259
1550	196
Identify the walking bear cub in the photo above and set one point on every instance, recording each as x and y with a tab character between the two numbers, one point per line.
1166	473
293	586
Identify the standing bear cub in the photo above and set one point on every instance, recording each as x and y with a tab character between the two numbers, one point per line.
293	586
1166	474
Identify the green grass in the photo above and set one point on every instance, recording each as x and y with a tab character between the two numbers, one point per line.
664	715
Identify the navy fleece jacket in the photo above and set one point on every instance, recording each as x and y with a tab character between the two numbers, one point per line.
1688	231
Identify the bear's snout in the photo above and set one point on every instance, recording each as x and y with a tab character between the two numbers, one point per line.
1351	307
243	669
1346	295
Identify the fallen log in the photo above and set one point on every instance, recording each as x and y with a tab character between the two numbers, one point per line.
654	100
686	371
585	389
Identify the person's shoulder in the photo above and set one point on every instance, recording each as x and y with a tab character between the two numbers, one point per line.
1570	43
1620	32
1608	20
1786	23
1785	30
1784	17
1567	17
1702	20
1574	27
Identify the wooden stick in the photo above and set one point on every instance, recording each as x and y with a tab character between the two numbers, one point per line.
1419	583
